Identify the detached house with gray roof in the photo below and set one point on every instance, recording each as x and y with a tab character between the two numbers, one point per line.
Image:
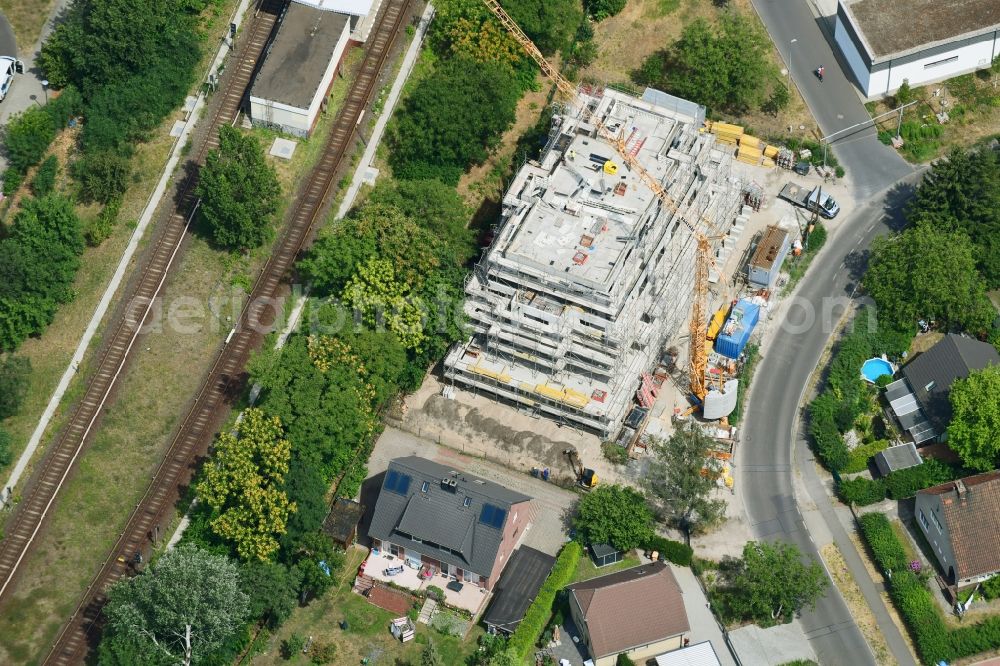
432	515
919	400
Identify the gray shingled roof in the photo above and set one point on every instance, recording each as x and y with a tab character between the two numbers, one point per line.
954	357
439	517
522	578
897	457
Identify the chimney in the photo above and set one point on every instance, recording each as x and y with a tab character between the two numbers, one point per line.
961	489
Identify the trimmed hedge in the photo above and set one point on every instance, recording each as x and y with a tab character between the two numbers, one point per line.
861	491
914	601
522	641
888	551
906	482
674	551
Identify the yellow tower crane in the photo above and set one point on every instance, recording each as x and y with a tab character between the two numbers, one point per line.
698	354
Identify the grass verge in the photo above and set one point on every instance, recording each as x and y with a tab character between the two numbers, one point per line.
26	17
860	610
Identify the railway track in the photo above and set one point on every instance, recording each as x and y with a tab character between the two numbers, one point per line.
45	483
226	379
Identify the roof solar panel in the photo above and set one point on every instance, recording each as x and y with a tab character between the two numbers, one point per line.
486	515
403	485
498	517
391	479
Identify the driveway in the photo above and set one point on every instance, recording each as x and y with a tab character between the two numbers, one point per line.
550	503
834	103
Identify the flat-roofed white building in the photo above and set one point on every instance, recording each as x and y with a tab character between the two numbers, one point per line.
362	13
886	42
589	272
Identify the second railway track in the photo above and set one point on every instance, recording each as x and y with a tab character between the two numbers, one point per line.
226	378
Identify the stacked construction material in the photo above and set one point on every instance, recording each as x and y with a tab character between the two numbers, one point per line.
751	150
726	133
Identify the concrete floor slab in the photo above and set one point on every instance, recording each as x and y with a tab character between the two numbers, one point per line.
772	646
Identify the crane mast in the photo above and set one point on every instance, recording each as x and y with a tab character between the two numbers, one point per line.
698	356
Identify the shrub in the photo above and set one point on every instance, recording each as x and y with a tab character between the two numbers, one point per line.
103	175
602	9
292	646
906	482
991	588
322	653
624	660
98	229
881	538
45	177
12	180
921	614
27	137
435	592
861	491
857	459
615	453
524	638
673	551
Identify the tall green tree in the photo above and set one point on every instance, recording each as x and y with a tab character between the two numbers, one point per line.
239	191
38	262
180	611
452	119
430	655
927	273
771	582
961	192
720	66
974	431
676	485
602	9
243	483
617	515
14	374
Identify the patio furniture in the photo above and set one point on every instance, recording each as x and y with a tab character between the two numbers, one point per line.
454	586
393	571
402	629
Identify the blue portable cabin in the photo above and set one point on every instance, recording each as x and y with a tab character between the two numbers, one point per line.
736	331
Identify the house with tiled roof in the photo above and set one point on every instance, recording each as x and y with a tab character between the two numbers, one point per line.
437	518
638	612
961	520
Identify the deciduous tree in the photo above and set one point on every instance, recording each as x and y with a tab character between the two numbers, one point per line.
243	483
927	273
771	581
181	610
974	431
680	480
617	515
239	191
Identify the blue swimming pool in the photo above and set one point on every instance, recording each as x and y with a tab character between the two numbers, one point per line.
874	368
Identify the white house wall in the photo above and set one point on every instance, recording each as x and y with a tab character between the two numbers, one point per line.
331	70
933	65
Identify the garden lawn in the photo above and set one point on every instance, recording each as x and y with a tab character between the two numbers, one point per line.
368	629
27	18
586	570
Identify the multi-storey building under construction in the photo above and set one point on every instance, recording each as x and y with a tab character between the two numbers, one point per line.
590	272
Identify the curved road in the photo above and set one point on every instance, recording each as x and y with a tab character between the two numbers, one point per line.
774	457
8	45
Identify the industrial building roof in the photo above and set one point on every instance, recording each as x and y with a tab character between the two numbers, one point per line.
634	607
525	573
971	510
352	7
461	524
898	27
931	374
298	58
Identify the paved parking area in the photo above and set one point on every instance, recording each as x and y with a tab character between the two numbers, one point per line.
550	505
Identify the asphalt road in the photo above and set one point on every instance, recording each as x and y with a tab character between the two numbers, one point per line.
834	102
771	426
8	45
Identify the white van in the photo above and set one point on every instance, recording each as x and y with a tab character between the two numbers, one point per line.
8	68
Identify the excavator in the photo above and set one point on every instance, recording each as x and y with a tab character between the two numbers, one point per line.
586	478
